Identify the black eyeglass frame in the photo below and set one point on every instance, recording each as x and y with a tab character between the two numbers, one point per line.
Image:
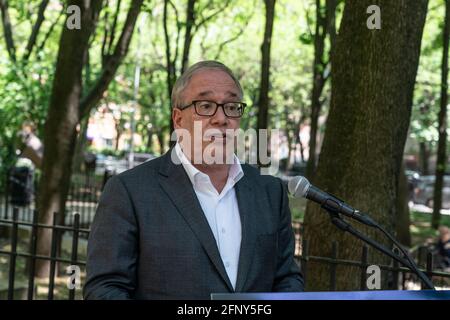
194	103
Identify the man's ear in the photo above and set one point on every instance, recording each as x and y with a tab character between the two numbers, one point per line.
176	118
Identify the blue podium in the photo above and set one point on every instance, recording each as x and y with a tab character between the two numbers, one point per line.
338	295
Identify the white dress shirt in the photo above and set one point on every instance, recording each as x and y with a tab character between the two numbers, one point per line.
221	211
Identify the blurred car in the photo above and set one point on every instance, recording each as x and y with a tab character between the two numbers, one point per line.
424	192
139	158
412	176
114	165
413	179
110	164
298	169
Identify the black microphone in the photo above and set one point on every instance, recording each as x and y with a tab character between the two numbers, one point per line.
300	187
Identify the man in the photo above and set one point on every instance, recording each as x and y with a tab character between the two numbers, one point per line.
166	230
443	246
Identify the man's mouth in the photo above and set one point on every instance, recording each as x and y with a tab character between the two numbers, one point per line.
219	137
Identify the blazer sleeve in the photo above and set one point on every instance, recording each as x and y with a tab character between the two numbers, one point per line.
112	246
288	277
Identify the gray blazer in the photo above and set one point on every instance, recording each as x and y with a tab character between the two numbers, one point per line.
151	240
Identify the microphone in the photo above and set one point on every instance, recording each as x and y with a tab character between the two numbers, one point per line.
300	187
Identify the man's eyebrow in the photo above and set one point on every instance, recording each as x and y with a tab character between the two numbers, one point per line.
206	93
232	94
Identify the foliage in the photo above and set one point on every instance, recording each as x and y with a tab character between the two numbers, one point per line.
426	95
233	35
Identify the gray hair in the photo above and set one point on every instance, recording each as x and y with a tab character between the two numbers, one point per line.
184	79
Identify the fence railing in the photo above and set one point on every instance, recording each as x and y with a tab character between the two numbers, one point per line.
400	278
83	196
25	247
19	238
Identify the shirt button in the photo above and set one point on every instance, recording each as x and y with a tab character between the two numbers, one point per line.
223	230
227	265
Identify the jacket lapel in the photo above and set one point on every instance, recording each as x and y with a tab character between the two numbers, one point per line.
247	204
175	182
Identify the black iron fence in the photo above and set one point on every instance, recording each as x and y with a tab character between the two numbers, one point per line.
21	191
21	277
398	277
18	239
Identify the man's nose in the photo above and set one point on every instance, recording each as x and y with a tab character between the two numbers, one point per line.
219	118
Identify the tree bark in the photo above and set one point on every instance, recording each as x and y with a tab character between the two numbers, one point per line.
160	137
441	161
34	33
372	87
190	21
290	137
324	24
67	109
403	221
80	147
114	61
171	68
424	158
60	128
263	102
118	124
7	30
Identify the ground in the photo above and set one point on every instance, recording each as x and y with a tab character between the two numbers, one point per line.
421	233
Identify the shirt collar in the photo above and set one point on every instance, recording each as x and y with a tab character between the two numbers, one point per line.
235	172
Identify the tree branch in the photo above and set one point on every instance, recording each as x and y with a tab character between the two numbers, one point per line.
114	25
211	16
111	66
49	32
235	37
178	35
104	52
34	33
7	29
170	64
190	22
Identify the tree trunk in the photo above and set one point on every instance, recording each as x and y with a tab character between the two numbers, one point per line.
60	128
291	148
171	68
160	137
297	138
34	33
403	221
441	161
372	87
67	108
118	135
318	84
80	148
7	30
109	70
150	140
263	102
190	20
324	24
424	158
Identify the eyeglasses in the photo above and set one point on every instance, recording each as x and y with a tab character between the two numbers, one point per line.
209	108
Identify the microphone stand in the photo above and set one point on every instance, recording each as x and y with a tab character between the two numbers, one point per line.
337	220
